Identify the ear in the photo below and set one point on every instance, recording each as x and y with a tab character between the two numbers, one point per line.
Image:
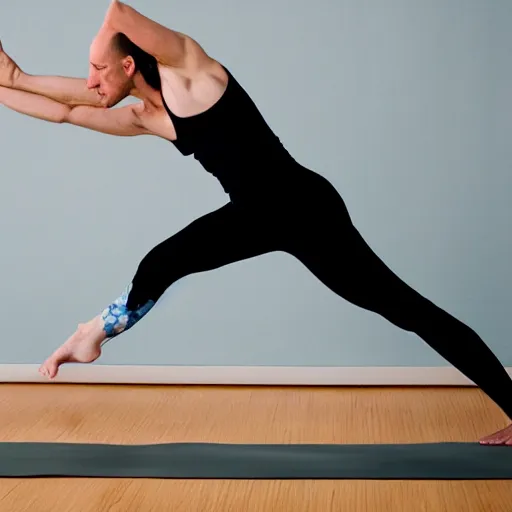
129	66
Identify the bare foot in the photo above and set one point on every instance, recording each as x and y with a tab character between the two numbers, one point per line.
501	438
84	346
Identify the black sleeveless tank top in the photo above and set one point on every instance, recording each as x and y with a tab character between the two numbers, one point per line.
232	141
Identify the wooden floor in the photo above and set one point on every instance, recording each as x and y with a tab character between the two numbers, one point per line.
157	414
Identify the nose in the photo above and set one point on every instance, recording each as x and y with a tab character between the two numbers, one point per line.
92	83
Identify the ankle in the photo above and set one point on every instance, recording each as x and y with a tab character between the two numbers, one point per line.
93	330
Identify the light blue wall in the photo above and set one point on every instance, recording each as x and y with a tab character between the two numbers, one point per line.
404	106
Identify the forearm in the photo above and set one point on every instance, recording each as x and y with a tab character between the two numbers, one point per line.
34	105
67	90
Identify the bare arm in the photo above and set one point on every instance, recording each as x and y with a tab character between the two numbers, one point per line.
122	121
71	91
68	90
33	105
168	46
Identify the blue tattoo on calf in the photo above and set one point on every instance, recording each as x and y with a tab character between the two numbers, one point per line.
119	318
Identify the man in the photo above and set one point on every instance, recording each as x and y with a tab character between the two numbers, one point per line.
275	204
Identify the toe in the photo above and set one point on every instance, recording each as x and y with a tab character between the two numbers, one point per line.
46	368
52	369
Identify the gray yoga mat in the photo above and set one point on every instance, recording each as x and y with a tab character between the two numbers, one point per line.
438	461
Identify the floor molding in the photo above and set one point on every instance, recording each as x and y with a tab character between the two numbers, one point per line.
241	375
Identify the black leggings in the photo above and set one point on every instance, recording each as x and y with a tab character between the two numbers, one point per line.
302	214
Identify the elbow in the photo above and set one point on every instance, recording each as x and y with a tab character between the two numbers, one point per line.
65	115
115	10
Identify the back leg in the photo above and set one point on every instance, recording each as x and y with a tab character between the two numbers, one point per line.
340	257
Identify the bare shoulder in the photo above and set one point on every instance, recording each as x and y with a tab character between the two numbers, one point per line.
195	85
195	63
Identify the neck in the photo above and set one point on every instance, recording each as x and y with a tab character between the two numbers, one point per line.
152	98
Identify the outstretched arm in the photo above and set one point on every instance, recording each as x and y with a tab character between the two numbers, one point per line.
122	121
33	105
68	90
71	91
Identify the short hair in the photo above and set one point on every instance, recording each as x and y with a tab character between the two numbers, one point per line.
144	62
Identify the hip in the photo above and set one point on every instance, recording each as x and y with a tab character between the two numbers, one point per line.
294	200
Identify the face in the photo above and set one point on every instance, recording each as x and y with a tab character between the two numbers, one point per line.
109	74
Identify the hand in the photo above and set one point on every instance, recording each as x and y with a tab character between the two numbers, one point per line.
9	70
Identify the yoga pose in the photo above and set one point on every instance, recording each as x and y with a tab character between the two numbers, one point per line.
275	203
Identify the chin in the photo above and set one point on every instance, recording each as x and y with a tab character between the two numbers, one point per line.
112	102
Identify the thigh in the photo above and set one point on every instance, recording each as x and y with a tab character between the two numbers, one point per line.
224	236
339	257
227	235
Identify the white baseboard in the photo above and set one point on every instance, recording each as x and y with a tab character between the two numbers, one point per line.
241	375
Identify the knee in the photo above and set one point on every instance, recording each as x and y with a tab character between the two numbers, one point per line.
417	316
